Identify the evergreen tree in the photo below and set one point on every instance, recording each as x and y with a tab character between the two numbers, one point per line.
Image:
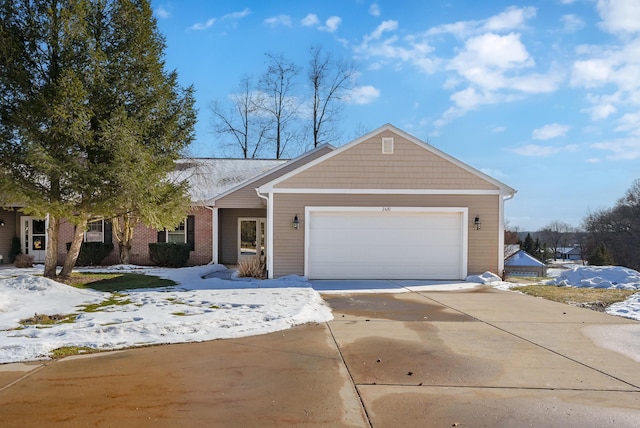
600	257
83	89
528	245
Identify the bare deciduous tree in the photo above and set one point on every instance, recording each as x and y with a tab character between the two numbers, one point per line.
556	235
329	81
618	228
240	120
277	101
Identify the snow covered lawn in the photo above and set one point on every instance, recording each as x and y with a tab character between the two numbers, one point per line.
199	308
617	277
195	310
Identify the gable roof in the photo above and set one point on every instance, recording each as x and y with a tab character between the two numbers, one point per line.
208	177
503	188
259	177
522	258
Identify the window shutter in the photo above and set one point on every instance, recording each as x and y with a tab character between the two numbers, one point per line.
162	235
108	232
191	232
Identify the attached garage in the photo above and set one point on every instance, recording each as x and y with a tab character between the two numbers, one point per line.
385	242
385	206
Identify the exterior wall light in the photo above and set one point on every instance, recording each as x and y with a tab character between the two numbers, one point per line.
1	223
296	222
477	223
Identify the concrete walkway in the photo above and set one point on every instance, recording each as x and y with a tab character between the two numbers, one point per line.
477	357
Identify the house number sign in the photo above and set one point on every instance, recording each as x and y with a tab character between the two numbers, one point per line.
386	208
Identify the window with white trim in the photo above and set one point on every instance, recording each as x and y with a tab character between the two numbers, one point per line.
179	234
95	231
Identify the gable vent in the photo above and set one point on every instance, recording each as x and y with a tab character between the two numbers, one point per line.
387	145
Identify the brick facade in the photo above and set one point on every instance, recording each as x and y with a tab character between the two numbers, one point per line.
143	236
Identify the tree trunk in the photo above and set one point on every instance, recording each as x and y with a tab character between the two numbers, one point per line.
51	253
123	228
74	250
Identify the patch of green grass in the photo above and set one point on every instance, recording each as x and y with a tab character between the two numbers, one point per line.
66	351
115	282
179	314
48	320
594	298
114	300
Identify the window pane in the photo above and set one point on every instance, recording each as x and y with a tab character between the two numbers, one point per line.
178	235
248	237
94	232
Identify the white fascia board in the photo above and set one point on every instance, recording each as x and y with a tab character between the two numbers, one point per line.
387	191
503	188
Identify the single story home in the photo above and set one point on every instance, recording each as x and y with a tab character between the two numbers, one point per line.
569	253
524	264
385	205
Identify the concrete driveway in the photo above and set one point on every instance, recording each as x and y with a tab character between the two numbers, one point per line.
477	357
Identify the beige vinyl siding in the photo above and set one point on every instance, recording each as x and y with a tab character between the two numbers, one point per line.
246	197
228	231
364	166
288	243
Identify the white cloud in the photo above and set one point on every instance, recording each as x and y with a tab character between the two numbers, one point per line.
511	19
591	72
200	26
362	95
412	49
162	12
630	122
571	22
619	16
492	51
550	131
237	15
280	20
331	24
498	129
385	26
621	149
603	106
374	9
536	150
310	20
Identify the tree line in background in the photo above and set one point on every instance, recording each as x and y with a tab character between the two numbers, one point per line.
90	121
269	116
607	237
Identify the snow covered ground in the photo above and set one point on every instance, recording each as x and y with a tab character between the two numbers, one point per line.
203	307
195	310
587	277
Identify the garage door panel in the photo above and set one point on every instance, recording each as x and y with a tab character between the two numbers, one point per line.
393	245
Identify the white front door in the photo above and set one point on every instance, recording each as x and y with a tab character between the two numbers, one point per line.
251	237
33	235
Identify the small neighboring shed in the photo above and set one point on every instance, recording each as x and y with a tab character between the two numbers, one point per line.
524	264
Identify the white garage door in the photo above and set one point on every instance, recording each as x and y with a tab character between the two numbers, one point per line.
379	244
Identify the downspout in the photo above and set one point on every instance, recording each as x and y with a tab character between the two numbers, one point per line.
501	234
268	234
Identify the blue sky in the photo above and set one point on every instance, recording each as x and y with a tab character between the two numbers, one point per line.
542	95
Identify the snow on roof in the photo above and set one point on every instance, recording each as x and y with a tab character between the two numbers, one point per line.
209	177
522	258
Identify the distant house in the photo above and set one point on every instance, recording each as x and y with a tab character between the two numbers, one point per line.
385	205
569	253
524	264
